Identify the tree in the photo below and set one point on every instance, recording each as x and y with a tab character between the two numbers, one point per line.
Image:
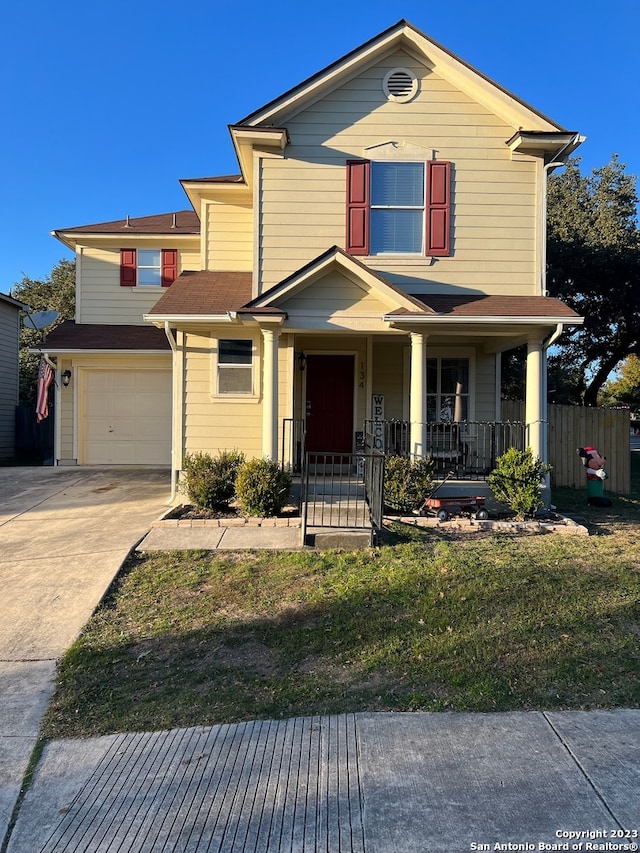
57	292
625	389
593	264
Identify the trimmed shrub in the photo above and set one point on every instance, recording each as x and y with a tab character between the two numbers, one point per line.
516	480
262	487
407	482
210	481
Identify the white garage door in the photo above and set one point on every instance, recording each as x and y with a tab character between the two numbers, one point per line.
127	417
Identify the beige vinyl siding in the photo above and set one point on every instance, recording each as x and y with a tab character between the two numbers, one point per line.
65	450
335	293
388	366
229	237
485	387
494	197
9	333
214	423
102	300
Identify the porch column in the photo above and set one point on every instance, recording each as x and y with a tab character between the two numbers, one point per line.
270	393
535	405
418	395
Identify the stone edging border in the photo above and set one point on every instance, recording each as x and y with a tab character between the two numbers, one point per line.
566	526
238	521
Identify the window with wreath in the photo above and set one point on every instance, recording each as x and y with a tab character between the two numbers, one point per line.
235	366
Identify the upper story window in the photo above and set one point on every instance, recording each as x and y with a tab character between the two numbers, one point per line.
235	366
396	207
148	267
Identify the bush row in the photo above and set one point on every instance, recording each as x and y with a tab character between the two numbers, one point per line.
212	482
262	487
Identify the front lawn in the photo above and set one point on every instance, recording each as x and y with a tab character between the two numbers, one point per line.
491	623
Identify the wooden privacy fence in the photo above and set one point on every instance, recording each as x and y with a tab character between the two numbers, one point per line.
571	427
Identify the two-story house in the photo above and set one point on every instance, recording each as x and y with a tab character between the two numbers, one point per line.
382	245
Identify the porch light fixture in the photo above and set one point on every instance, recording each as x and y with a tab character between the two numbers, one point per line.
301	359
66	378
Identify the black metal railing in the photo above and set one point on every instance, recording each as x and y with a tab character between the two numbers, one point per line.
293	445
343	490
468	448
374	482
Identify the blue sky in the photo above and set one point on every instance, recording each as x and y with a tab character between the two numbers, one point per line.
106	106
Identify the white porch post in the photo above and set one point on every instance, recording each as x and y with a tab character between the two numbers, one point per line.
535	406
270	393
418	395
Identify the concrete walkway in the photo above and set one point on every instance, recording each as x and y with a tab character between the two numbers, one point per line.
64	533
367	782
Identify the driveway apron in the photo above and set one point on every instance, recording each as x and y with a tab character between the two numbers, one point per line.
64	533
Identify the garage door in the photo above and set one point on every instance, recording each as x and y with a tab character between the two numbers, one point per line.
127	417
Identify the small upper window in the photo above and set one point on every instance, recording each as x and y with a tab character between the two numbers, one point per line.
400	85
235	366
149	267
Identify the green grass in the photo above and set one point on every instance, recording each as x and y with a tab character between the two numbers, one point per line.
490	623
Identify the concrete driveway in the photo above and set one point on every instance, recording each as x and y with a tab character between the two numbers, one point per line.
64	533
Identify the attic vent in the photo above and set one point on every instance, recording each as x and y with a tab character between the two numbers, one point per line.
400	84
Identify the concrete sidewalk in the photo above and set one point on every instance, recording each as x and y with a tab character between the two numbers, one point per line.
364	783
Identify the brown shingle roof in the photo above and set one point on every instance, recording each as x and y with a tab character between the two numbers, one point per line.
495	306
186	222
84	336
205	292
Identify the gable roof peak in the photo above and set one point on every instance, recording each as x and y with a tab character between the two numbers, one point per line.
456	70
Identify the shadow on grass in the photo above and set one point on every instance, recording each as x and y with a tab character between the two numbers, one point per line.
416	627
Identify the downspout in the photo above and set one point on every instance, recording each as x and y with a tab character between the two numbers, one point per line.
174	472
552	165
557	161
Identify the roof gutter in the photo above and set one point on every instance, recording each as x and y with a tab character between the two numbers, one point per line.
438	320
161	320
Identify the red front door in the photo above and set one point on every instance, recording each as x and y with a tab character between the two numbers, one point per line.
329	403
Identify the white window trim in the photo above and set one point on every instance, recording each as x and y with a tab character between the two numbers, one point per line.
395	254
251	396
140	266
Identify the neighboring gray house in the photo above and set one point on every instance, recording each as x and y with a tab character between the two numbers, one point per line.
9	367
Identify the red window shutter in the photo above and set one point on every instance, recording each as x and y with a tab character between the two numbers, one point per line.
438	237
358	207
128	271
169	266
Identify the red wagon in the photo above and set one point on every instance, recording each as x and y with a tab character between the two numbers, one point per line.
444	508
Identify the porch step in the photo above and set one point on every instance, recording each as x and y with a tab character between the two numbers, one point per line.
340	514
347	540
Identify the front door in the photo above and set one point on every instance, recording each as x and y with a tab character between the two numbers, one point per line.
329	403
